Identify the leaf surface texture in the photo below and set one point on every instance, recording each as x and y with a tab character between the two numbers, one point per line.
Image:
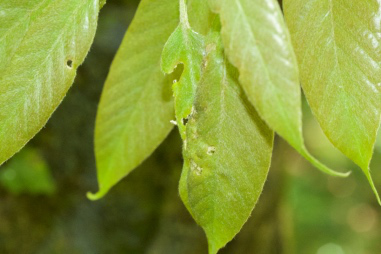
42	42
227	151
338	48
217	188
257	42
186	47
136	105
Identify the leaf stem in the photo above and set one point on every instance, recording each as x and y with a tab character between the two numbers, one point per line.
184	14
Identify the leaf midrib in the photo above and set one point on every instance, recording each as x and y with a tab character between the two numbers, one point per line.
337	65
120	144
49	52
221	120
263	63
27	98
28	14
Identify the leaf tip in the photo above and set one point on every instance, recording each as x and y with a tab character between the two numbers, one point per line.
213	249
102	3
96	196
323	167
216	242
342	174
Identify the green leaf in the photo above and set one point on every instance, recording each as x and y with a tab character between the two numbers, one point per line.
337	45
184	46
227	151
42	42
136	105
200	17
102	3
257	42
201	20
218	190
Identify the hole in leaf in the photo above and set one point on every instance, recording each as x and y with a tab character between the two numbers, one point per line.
69	63
211	150
185	121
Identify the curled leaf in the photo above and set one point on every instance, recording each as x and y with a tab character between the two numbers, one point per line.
184	46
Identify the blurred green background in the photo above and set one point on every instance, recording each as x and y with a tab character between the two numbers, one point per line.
43	207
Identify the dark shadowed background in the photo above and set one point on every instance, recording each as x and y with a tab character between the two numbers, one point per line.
43	207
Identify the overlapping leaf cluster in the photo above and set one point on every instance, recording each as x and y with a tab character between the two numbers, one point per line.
233	67
239	82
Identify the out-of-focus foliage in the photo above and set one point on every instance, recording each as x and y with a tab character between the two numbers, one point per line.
336	215
27	173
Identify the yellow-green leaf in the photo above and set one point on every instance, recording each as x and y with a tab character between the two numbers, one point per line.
257	42
136	105
200	16
102	3
184	46
201	20
42	42
338	47
227	151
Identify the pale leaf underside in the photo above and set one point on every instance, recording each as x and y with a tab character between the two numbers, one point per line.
339	53
136	105
268	69
42	42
